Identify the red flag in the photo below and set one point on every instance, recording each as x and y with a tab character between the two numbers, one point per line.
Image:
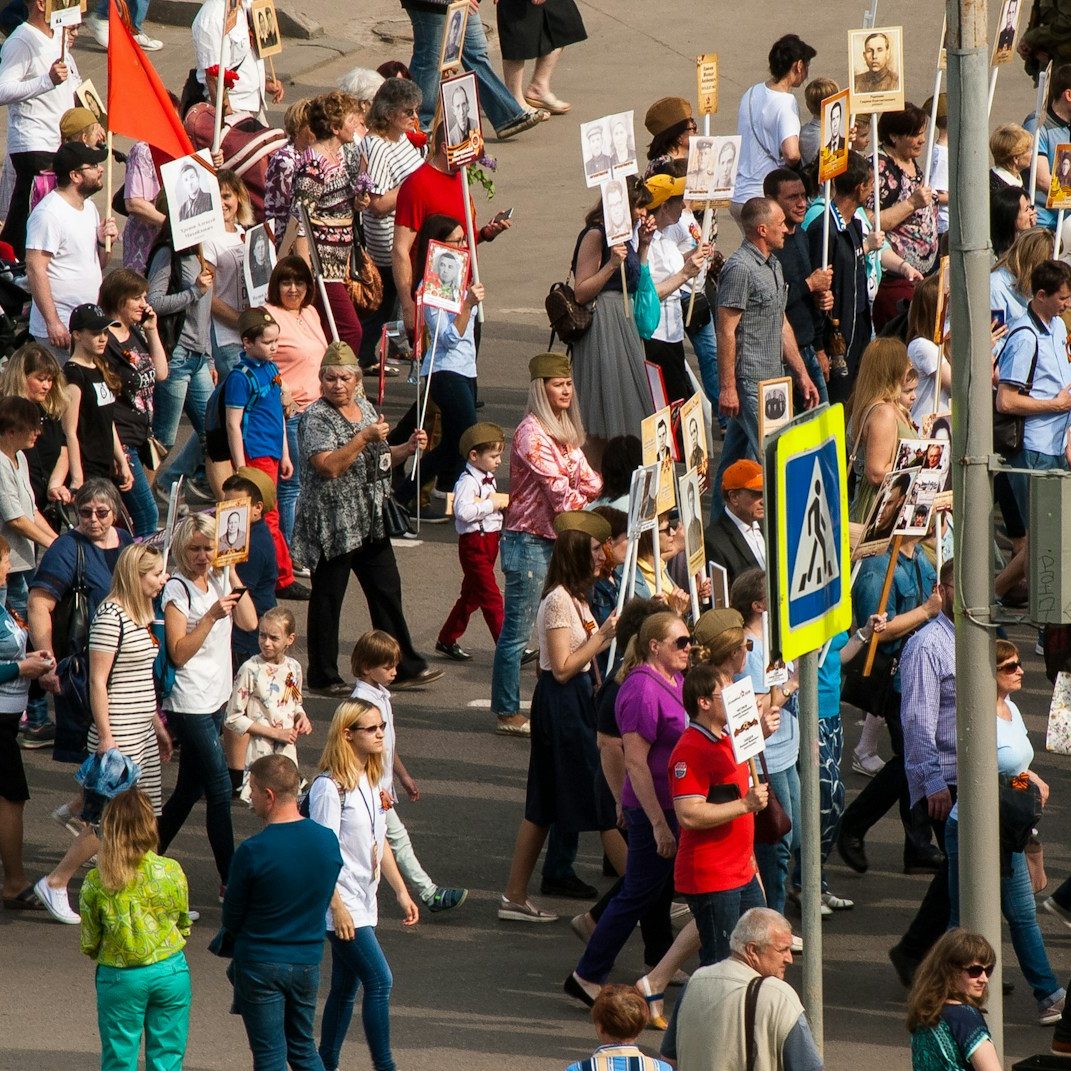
138	104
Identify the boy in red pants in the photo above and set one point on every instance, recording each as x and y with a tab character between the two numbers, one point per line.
478	507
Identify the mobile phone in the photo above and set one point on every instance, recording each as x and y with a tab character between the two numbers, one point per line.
239	591
996	317
502	217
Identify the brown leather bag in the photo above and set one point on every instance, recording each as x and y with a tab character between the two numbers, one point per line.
364	282
771	823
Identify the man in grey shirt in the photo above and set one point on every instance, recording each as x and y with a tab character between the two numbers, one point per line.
755	340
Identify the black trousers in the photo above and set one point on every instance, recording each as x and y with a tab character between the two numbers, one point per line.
931	919
27	165
669	356
374	566
886	788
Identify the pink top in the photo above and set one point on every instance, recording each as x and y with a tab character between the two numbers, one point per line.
302	344
545	479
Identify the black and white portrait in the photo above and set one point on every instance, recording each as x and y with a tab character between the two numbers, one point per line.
258	264
457	16
461	109
595	149
616	215
193	200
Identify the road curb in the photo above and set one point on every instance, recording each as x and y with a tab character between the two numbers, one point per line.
292	22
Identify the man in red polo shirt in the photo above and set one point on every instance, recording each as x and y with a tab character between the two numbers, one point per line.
715	868
433	189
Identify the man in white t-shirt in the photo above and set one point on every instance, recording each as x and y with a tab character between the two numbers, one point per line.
37	87
65	245
247	94
769	120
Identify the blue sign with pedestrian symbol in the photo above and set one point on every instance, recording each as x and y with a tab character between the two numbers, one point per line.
810	582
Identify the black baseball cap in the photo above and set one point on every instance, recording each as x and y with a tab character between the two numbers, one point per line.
75	154
90	318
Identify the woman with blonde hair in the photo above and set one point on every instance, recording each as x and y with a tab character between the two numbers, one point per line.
135	921
200	602
944	1007
548	475
1009	281
1010	147
876	418
348	798
122	697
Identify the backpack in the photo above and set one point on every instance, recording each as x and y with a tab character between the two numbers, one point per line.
216	445
303	804
164	670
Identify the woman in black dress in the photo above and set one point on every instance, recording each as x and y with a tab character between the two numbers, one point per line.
539	30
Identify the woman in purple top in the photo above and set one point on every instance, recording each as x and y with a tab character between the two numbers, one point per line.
650	714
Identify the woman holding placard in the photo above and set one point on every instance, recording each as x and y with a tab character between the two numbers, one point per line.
608	361
908	207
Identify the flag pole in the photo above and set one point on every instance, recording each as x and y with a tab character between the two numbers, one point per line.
825	225
470	232
221	82
107	192
703	240
1039	111
932	139
422	412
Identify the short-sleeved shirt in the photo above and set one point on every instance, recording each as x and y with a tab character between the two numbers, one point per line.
279	186
95	420
203	684
1004	295
651	706
951	1042
755	285
131	362
765	119
141	181
829	678
259	573
783	747
388	164
131	690
1046	432
558	609
914	239
429	192
226	253
262	424
711	860
16	500
927	357
1054	131
73	270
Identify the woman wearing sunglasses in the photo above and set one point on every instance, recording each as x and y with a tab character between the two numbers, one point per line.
670	544
1014	755
564	757
944	1007
650	714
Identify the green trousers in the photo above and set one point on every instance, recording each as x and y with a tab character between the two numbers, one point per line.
152	1000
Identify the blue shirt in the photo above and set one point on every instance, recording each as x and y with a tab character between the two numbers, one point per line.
1046	432
783	748
829	677
262	423
260	573
57	570
1015	753
280	884
1054	131
453	352
1004	296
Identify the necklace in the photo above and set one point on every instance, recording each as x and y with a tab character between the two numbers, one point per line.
370	810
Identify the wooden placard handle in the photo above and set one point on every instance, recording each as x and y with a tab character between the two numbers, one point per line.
894	557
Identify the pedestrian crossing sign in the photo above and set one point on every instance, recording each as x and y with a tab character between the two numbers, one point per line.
808	545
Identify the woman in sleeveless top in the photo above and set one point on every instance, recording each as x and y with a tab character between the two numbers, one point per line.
611	384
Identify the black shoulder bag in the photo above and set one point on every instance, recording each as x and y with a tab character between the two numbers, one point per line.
1007	428
751	1003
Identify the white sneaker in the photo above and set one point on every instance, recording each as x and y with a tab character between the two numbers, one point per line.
868	765
194	915
98	29
147	43
836	903
1053	908
56	903
797	944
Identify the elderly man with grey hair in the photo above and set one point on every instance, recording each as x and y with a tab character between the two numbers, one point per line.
744	994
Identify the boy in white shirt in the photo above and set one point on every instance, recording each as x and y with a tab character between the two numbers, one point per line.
478	506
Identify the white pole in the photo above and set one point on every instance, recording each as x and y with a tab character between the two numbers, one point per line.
706	126
623	592
657	559
992	89
693	590
217	137
877	170
1058	240
1039	114
937	526
322	286
422	411
708	215
870	16
470	233
932	139
825	225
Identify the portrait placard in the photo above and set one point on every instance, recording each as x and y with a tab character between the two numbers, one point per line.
706	76
60	13
230	14
1007	26
194	204
876	69
643	500
257	265
616	215
457	18
460	104
915	518
88	97
694	435
719	585
1060	183
691	510
264	21
833	155
889	503
608	145
232	532
658	449
446	273
742	720
775	405
932	455
712	167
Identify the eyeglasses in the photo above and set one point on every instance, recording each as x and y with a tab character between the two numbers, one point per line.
100	512
748	645
91	167
380	728
976	970
1010	667
412	113
682	643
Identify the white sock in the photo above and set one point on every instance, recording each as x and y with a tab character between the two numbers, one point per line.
868	741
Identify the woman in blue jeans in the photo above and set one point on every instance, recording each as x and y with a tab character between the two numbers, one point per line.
1014	755
351	797
199	604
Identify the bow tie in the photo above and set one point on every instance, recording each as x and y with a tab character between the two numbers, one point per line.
489	479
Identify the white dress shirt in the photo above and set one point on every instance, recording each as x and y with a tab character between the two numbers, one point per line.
247	94
474	508
665	259
753	536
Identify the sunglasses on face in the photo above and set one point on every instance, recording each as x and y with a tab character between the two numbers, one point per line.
976	970
380	728
1010	667
100	512
682	643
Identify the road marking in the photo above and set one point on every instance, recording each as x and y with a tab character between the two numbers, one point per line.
485	704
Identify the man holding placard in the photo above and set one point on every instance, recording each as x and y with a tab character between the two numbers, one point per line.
1055	130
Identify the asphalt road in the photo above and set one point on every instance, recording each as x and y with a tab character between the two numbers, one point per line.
469	990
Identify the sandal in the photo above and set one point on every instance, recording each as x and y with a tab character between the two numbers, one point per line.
508	728
25	901
511	911
659	1021
549	102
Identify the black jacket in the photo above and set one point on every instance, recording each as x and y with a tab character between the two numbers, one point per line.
727	547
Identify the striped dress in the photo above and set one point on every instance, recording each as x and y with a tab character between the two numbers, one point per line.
388	164
131	692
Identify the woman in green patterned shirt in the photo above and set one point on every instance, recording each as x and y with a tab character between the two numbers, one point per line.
944	1007
135	921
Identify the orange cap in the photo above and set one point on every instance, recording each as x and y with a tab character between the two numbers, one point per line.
745	475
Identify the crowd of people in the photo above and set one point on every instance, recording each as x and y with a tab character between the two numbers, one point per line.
141	617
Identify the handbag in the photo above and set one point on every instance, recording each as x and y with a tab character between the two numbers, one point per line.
1058	732
152	453
70	618
771	823
1008	429
569	320
869	694
1035	863
363	280
396	519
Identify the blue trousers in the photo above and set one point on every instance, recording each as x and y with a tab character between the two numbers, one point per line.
16	598
353	964
139	499
716	913
741	439
774	859
290	490
277	1003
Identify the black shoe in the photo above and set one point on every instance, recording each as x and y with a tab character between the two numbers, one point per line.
924	863
335	690
570	887
904	965
529	655
295	592
453	651
575	989
425	676
41	736
853	852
